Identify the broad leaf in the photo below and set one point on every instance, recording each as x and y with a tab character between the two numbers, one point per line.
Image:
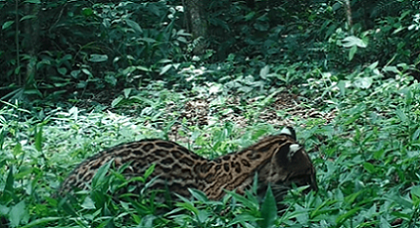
268	209
352	41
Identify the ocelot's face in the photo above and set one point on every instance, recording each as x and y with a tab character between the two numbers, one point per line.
290	166
302	171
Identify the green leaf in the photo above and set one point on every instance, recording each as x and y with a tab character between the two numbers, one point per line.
384	223
38	138
87	12
246	202
149	171
116	101
379	154
264	71
62	70
111	80
323	207
249	16
81	84
416	135
18	214
75	73
96	58
188	206
149	183
241	219
165	69
203	216
7	24
342	86
40	221
342	218
268	209
8	188
87	72
416	200
148	40
33	1
17	70
99	177
33	92
352	51
134	25
352	41
373	65
182	39
27	17
401	115
369	167
261	25
200	196
17	149
363	82
415	190
88	204
142	68
127	92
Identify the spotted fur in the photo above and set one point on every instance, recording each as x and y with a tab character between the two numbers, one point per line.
278	160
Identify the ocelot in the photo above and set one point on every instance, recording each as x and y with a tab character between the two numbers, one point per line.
277	160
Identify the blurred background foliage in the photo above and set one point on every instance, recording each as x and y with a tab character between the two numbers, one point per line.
53	48
216	76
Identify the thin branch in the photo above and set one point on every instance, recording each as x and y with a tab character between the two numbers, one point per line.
17	40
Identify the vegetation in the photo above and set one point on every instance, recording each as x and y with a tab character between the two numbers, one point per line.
81	76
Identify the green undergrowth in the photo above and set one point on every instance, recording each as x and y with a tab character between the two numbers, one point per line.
367	158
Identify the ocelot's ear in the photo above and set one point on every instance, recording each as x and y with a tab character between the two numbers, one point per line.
289	131
293	148
286	153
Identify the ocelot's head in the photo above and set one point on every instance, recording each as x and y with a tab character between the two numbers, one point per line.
288	164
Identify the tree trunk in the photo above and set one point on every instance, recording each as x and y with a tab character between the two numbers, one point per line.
31	39
197	19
